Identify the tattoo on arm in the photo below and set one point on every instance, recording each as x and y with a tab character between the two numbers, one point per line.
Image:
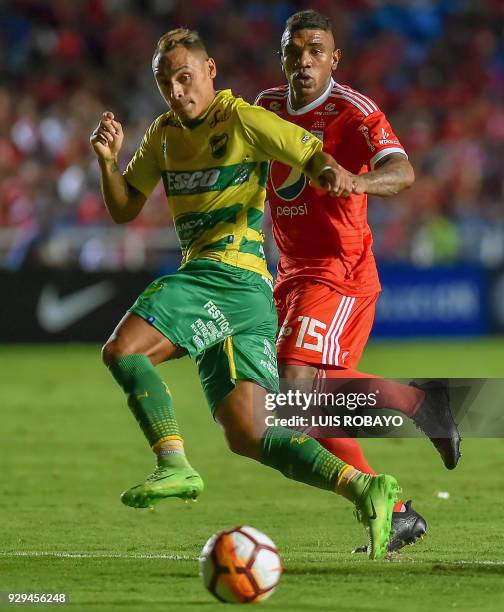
114	182
390	176
113	166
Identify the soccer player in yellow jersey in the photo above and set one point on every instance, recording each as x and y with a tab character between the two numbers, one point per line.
212	150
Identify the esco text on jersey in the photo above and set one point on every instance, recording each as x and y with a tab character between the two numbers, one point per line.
178	181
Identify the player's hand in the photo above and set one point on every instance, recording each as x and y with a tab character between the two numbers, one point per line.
336	180
108	137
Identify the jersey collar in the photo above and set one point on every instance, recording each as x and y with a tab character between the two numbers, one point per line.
312	105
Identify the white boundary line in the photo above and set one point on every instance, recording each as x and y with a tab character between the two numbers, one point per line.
480	562
94	555
443	563
119	555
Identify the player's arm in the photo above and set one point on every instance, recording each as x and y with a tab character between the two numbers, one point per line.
374	143
294	146
391	175
325	172
123	201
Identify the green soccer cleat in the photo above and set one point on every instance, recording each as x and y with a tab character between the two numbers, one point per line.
374	510
184	483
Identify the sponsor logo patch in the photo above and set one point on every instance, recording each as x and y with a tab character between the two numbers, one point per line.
292	211
55	313
207	179
365	132
198	342
385	138
191	226
318	134
219	116
216	328
287	183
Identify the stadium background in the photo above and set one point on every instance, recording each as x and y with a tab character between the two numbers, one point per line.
435	67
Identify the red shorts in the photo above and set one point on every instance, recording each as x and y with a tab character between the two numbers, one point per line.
321	327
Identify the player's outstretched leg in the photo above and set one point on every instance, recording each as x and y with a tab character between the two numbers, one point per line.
302	458
151	403
435	419
407	525
426	404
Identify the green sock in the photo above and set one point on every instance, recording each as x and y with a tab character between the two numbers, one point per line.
302	458
150	401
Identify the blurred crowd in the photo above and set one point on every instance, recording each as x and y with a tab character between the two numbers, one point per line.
436	67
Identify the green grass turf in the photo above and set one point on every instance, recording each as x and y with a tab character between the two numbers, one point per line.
69	446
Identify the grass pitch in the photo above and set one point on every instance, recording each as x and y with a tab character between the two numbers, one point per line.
69	446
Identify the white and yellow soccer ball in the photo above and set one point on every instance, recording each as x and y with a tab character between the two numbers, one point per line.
240	565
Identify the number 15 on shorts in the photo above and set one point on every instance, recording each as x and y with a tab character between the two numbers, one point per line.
312	339
335	336
308	329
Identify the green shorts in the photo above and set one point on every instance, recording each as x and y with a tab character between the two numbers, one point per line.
224	317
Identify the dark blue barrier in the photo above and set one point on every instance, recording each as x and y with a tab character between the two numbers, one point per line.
45	305
440	301
50	305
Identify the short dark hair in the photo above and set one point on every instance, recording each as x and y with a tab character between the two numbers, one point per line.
308	20
180	37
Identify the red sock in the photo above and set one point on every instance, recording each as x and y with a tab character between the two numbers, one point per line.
395	396
349	451
392	395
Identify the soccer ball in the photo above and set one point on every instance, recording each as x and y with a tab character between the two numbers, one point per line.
241	565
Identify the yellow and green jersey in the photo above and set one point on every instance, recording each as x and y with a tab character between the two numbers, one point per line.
214	172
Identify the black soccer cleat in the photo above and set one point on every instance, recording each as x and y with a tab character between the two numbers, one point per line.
435	420
407	528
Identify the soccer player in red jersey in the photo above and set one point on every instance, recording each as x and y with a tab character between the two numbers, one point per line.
327	283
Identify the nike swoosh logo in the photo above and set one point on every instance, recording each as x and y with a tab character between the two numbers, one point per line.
55	313
374	511
163	477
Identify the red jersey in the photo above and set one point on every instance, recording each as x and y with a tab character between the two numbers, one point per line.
320	237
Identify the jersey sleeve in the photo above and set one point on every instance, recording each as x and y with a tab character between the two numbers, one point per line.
143	171
259	100
276	138
376	139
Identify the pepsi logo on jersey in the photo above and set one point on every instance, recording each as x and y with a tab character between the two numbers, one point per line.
287	183
292	211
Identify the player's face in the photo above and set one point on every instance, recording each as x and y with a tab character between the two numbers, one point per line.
308	59
185	80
